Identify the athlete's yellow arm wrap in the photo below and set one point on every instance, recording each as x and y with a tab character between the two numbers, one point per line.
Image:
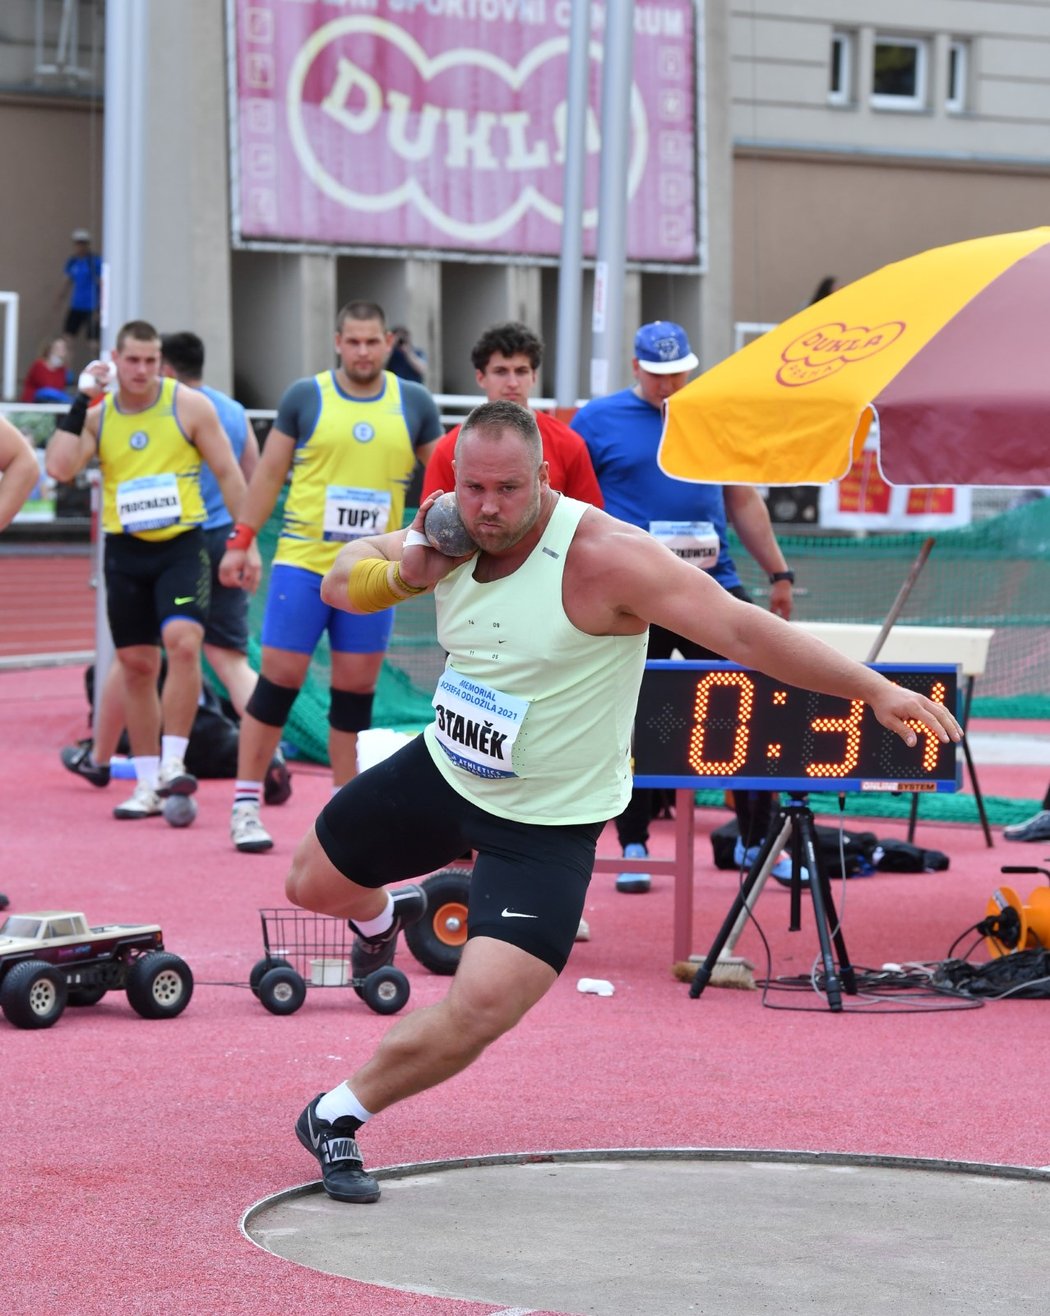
369	588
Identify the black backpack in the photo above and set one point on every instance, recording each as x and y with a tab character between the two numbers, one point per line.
212	748
858	849
903	857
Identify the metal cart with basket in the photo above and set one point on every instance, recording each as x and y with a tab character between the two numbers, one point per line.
313	950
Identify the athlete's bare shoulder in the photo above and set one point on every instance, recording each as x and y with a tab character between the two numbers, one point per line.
600	536
604	555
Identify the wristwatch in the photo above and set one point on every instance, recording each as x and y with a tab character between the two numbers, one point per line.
774	576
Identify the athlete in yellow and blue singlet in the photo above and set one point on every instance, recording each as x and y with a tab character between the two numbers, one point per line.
150	436
350	438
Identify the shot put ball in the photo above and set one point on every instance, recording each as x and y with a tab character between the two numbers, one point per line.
179	810
445	529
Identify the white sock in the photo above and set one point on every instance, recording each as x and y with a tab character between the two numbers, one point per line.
373	927
173	747
146	766
341	1101
247	792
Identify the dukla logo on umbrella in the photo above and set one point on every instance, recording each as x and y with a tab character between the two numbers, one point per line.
824	351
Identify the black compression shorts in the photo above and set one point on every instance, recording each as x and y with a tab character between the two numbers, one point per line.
227	624
151	582
401	819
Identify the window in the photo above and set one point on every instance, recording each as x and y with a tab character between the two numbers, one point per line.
840	70
899	75
958	73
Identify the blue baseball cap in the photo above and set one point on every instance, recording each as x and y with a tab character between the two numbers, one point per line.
662	348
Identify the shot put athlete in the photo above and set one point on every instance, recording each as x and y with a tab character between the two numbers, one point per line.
527	758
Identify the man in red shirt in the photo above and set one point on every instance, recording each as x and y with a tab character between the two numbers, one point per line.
506	358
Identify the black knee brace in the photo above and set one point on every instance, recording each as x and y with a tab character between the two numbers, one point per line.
348	711
271	703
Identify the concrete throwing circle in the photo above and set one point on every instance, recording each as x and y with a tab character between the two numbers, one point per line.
684	1231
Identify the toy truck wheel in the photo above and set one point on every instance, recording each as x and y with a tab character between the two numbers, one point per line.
159	985
437	940
282	990
386	990
33	994
86	995
262	967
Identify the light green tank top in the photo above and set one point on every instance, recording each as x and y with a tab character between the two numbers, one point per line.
533	717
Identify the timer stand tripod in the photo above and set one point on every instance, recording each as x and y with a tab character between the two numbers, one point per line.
793	829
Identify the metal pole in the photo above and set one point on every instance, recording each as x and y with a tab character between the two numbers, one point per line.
9	302
607	319
127	25
123	187
570	274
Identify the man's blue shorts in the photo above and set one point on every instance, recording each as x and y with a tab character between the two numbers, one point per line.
296	616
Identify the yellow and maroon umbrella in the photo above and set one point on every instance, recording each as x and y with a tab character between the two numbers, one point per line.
949	351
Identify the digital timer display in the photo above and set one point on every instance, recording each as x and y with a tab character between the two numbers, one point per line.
717	724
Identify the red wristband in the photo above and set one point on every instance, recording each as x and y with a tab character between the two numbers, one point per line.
241	536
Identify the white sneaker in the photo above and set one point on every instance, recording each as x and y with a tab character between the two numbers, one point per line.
583	932
173	779
144	803
246	831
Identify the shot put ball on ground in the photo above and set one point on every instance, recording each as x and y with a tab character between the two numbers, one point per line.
179	810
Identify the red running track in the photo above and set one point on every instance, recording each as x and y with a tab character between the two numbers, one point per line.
131	1147
47	603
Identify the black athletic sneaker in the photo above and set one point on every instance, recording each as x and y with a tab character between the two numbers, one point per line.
334	1145
77	758
370	953
277	784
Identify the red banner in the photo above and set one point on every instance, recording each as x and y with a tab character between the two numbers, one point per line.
862	500
440	124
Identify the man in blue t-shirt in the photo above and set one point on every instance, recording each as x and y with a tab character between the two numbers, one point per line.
83	271
622	433
226	632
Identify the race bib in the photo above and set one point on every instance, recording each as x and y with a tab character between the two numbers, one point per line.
695	542
354	513
149	503
477	726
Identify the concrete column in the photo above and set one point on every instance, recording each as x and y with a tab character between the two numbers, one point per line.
284	322
633	315
186	238
523	294
865	77
423	315
316	287
714	333
937	74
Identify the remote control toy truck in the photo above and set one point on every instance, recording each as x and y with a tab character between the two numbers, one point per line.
52	959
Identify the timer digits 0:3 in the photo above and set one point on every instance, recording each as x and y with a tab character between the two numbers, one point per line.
717	724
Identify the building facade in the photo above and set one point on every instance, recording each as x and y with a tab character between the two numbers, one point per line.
825	146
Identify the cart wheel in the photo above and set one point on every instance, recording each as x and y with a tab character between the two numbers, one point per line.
440	935
282	990
386	990
262	967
